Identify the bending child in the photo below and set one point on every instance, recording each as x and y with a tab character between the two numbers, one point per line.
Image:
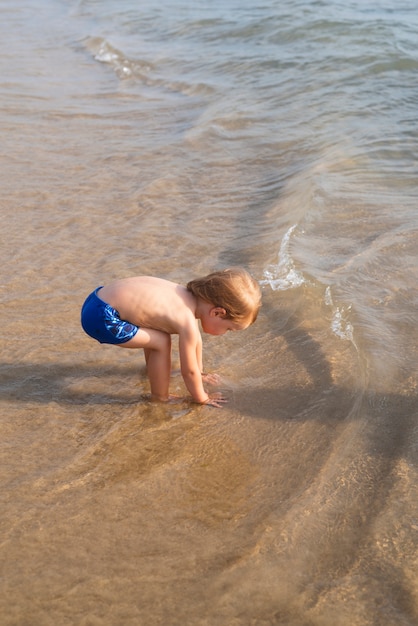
143	312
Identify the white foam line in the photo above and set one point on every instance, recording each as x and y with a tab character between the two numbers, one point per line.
340	326
284	275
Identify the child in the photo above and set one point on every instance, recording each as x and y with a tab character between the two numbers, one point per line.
143	312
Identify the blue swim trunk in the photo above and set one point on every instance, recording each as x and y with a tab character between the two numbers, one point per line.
102	322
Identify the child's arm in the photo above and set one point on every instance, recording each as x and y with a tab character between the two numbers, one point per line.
190	349
211	379
199	351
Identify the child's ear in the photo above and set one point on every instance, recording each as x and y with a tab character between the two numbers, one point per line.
218	311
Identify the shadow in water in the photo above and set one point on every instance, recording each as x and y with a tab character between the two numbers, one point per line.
71	384
93	384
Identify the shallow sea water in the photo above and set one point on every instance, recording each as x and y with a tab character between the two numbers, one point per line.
171	139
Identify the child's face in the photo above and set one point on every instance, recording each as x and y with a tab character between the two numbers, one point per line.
215	323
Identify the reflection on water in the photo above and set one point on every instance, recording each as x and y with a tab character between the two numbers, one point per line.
171	142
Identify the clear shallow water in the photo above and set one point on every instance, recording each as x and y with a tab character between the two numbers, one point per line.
171	139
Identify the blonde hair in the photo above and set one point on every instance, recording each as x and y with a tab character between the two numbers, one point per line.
233	289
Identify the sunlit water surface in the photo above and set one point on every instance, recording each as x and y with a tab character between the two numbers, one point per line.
171	139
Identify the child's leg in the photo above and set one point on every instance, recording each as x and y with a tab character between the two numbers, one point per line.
157	348
159	370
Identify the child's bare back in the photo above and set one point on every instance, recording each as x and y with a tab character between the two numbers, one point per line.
150	302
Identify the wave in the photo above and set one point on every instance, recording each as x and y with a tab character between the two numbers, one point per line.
141	70
340	325
124	67
284	275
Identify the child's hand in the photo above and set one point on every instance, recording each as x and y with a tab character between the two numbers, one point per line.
211	379
216	400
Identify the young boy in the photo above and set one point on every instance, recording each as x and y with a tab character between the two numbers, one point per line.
143	312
